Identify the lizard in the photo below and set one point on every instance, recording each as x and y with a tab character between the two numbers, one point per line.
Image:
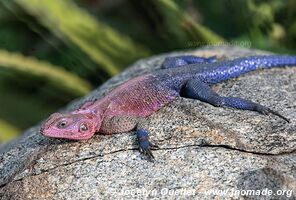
128	105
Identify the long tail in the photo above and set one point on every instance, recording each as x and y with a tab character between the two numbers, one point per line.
225	70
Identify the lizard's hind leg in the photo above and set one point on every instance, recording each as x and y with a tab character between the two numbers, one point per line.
196	89
178	61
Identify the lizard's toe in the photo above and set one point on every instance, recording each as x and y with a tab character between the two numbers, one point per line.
145	146
154	146
148	153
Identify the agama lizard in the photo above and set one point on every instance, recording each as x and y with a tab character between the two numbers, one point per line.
125	107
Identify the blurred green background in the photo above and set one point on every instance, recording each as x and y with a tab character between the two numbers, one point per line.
53	51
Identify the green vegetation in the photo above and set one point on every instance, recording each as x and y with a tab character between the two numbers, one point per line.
53	74
7	131
183	25
53	51
102	43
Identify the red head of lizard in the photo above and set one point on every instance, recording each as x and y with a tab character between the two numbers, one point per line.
79	125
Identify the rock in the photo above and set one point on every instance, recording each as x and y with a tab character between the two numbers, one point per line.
205	152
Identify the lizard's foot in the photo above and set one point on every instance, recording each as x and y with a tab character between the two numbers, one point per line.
145	145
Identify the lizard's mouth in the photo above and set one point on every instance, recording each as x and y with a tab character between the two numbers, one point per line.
65	135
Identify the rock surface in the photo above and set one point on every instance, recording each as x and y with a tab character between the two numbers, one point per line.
205	152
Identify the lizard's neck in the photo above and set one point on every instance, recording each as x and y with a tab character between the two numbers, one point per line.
98	107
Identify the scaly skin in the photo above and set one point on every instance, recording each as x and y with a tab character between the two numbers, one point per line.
126	106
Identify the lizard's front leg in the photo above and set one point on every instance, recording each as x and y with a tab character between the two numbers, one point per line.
145	145
119	124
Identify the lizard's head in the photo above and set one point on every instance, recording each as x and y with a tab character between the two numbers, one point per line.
75	126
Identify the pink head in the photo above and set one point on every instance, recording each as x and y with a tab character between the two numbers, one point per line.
75	126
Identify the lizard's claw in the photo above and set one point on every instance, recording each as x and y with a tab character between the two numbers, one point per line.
154	146
147	152
266	111
145	146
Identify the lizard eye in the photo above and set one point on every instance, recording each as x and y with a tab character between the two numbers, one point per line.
62	124
83	127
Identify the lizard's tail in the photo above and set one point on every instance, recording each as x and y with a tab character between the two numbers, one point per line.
227	70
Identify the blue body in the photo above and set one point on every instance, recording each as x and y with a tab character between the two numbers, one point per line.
192	77
215	72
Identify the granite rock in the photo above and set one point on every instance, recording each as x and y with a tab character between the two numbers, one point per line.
205	152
